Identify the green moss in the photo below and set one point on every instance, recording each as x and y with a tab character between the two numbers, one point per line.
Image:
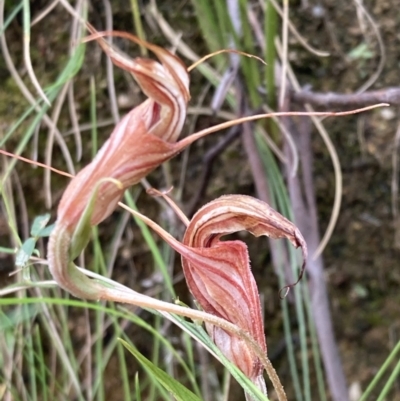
12	102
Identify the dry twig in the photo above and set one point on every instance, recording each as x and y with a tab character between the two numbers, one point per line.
331	100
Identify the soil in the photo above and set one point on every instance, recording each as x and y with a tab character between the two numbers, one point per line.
361	260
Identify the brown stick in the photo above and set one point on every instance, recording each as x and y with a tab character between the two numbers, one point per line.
208	162
302	196
330	100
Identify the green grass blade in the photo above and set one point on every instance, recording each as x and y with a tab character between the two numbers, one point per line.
30	359
270	30
12	15
250	67
389	384
152	246
207	18
180	392
123	371
93	116
394	354
42	372
199	334
137	23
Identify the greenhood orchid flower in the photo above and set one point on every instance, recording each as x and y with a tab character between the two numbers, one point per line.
221	280
140	142
218	272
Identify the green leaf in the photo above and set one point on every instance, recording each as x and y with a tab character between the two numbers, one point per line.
25	252
180	392
10	320
361	52
45	232
39	224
